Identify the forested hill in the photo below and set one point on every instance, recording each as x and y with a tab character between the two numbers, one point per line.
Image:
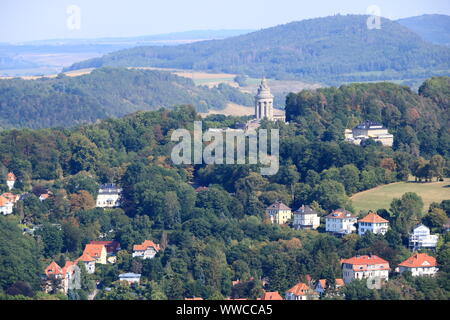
431	27
106	92
332	50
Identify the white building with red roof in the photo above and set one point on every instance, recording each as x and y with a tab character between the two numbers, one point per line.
88	261
301	291
372	223
419	264
340	221
10	180
364	267
273	295
146	250
322	285
6	206
96	251
279	213
67	276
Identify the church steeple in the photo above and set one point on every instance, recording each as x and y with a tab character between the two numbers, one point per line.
264	101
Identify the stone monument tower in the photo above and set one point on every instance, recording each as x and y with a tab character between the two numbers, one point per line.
264	102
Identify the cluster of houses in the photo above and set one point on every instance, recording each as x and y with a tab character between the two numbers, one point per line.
96	252
342	222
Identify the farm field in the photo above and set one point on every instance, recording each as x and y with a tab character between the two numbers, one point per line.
381	197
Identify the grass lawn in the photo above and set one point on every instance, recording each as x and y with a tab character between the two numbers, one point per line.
381	197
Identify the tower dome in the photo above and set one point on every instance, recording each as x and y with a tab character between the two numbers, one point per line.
264	101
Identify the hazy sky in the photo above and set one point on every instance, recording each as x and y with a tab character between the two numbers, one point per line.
22	20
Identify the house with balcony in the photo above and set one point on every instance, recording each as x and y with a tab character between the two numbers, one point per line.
421	238
279	213
306	218
341	222
364	267
419	264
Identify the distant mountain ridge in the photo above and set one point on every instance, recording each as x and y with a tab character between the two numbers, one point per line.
332	50
431	27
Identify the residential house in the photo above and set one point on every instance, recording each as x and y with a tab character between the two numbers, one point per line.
96	251
301	291
66	275
88	262
146	250
373	223
10	180
130	277
274	295
112	247
279	213
419	264
108	196
306	218
340	221
420	238
6	206
11	197
363	267
322	285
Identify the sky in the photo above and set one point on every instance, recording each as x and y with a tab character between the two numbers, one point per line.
26	20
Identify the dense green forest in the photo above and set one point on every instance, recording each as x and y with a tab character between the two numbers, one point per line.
212	237
431	27
330	50
106	92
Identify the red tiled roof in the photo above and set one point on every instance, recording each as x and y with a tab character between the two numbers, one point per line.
201	189
340	214
144	245
11	177
111	246
194	298
368	260
271	296
94	250
4	201
373	218
85	258
340	282
419	260
323	283
278	206
11	197
53	268
300	289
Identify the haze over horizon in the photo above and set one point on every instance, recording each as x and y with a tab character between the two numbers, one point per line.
27	20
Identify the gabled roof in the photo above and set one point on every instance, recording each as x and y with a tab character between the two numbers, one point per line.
271	296
323	283
85	258
365	260
373	218
419	260
52	269
340	282
278	206
305	210
11	197
145	245
11	177
340	214
4	201
94	250
111	246
300	289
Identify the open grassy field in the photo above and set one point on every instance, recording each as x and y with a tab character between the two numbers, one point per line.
381	197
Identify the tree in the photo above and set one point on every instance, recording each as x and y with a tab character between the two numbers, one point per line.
406	212
52	237
330	195
437	164
82	200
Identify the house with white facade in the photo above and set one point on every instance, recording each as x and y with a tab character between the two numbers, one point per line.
6	205
372	223
88	261
67	276
146	250
306	218
419	264
340	221
10	180
421	238
108	196
279	213
301	291
364	267
369	130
